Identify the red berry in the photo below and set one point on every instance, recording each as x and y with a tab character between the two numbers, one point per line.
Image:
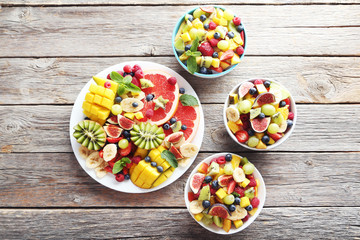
291	116
258	81
129	165
244	117
252	183
212	25
108	169
126	151
127	68
246	125
250	176
236	21
125	170
120	72
136	82
255	202
119	177
240	191
101	153
212	160
149	113
136	159
108	76
135	68
275	136
212	191
139	74
231	187
219	69
206	49
214	42
239	50
107	85
287	101
246	218
113	140
196	196
221	160
242	136
172	80
191	196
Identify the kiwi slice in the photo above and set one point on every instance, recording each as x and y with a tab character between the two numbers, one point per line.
147	136
205	193
90	134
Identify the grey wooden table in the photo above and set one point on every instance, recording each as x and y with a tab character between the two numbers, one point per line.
50	48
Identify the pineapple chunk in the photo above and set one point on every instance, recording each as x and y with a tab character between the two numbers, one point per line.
252	212
261	145
221	193
223	22
238	40
235	59
215	62
233	126
139	115
129	115
185	37
244	202
238	223
198	216
245	182
97	99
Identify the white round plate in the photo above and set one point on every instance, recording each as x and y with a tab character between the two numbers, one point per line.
109	180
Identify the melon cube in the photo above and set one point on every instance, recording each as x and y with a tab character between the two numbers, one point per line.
221	193
244	202
215	62
185	37
87	107
94	109
245	182
210	34
252	212
93	88
107	103
238	223
261	88
198	25
89	97
223	22
238	40
235	59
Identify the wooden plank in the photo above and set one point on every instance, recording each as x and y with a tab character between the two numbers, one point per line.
174	224
96	31
319	128
309	79
292	179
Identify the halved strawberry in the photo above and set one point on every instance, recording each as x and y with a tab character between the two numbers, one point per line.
219	69
275	136
231	187
227	55
126	151
191	196
242	136
113	140
207	9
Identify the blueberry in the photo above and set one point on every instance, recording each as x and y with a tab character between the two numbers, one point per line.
216	35
231	34
149	97
185	63
182	90
127	177
215	55
172	120
240	28
251	132
118	99
228	157
289	123
206	26
126	133
208	71
191	18
147	159
249	208
125	74
208	179
232	208
86	118
203	70
183	127
153	164
135	104
160	169
187	47
267	83
166	126
282	104
202	18
206	203
132	74
261	115
265	139
215	184
237	200
252	91
129	139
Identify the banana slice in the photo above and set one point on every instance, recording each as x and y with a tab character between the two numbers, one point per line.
110	151
189	150
232	114
93	160
283	126
196	206
238	214
131	105
239	175
84	152
100	170
141	96
183	162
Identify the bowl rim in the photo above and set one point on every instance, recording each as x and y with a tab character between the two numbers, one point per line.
176	28
250	220
269	147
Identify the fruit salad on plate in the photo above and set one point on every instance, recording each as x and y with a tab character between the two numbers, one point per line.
139	126
224	192
210	40
260	113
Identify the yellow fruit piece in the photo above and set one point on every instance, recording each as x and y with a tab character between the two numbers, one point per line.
103	113
284	112
138	170
219	12
179	31
245	182
183	57
185	37
87	106
101	81
235	59
129	115
139	182
223	22
98	99
239	122
161	149
235	161
224	65
149	175
221	193
221	172
259	135
89	97
169	172
198	216
131	170
238	40
109	94
226	225
107	103
210	34
252	212
228	15
257	182
233	126
215	62
146	186
261	145
250	98
139	115
244	202
141	152
238	223
160	180
165	165
256	191
216	20
198	24
154	154
198	60
232	44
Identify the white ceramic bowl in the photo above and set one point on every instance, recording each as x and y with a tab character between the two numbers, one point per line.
213	228
283	139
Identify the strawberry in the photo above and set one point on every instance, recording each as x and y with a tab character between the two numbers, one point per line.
126	151
113	140
191	196
275	136
139	74
136	82
287	101
231	187
242	136
219	69
206	49
240	191
214	42
227	55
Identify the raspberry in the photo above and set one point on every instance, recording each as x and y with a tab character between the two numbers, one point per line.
135	68
136	159
291	116
108	169
119	177
221	160
129	165
246	218
258	81
240	191
206	49
139	74
212	191
172	80
149	113
212	25
135	81
125	170
127	69
214	42
240	50
236	21
244	117
108	76
252	183
107	85
255	202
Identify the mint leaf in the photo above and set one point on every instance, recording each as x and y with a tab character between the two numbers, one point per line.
170	158
121	89
119	165
191	64
132	88
127	79
196	54
116	77
188	100
126	160
235	194
188	53
195	44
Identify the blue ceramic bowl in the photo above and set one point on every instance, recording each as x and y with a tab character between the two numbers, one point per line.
214	75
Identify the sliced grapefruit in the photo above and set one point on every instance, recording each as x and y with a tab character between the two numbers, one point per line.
161	88
189	116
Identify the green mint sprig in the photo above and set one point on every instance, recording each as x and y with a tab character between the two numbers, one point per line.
119	165
170	158
125	84
193	53
188	100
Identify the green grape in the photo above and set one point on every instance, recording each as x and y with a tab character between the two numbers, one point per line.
273	128
123	143
228	15
116	109
253	141
198	12
245	106
244	160
268	109
248	168
229	199
228	169
223	45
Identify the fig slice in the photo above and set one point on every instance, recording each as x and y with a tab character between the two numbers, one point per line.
264	98
260	125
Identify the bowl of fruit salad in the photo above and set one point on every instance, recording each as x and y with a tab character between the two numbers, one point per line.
225	193
209	41
260	114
